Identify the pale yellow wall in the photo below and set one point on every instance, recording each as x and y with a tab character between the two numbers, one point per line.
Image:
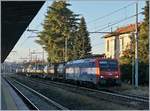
110	53
121	48
127	42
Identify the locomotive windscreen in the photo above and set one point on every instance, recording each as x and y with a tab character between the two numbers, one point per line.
108	65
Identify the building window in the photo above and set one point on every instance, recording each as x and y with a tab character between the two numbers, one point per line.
122	42
107	45
115	44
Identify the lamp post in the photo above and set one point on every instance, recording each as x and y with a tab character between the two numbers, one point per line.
132	57
66	50
136	47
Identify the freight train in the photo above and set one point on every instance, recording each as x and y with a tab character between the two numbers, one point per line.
91	70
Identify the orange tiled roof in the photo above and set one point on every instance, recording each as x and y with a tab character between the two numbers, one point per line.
126	29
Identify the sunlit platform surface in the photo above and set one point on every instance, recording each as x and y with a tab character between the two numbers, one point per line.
9	98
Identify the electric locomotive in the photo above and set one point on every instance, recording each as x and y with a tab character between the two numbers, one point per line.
91	70
96	71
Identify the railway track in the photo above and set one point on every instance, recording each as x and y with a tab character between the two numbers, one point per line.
34	99
108	91
102	90
107	95
146	99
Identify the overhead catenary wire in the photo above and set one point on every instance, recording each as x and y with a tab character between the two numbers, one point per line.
96	45
119	21
30	35
109	14
97	18
113	12
47	4
104	27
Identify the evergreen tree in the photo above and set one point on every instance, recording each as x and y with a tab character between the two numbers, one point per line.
82	41
144	37
143	51
60	24
143	47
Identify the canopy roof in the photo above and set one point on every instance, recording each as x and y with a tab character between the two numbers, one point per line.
15	17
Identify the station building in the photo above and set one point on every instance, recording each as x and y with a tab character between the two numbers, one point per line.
119	40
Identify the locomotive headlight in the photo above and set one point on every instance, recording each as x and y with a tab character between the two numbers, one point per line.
117	76
101	76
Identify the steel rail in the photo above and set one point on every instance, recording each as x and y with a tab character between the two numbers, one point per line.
27	101
135	98
130	95
127	97
41	95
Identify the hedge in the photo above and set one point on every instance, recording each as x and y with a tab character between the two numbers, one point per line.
126	71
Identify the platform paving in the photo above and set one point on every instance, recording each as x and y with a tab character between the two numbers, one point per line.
9	98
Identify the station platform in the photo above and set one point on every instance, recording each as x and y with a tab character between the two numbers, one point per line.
9	98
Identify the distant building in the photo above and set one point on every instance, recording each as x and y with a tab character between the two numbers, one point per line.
118	41
95	56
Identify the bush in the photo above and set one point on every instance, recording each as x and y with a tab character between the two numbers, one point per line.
126	71
144	73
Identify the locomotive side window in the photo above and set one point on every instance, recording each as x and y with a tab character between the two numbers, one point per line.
113	65
107	65
92	64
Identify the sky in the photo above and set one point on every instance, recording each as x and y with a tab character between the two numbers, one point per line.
96	16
